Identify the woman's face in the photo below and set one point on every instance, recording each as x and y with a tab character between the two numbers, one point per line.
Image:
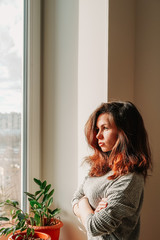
107	132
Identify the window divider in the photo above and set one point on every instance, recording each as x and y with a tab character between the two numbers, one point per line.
32	97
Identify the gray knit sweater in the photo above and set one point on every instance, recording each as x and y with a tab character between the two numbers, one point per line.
120	220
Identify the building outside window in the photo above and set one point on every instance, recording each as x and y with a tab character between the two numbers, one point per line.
11	98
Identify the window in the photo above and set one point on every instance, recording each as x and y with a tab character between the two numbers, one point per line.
11	82
20	101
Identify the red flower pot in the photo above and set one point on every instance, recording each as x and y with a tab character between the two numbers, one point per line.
53	230
36	235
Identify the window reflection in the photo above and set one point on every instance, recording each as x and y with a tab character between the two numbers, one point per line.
11	75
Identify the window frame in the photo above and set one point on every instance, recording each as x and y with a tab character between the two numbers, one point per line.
31	122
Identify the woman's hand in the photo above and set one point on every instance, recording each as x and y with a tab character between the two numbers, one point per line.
102	204
76	210
82	209
83	202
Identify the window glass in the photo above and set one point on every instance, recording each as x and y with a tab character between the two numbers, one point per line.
11	82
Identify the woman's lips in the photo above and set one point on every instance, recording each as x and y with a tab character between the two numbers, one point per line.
101	144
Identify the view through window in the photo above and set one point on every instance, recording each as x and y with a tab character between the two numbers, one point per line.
11	82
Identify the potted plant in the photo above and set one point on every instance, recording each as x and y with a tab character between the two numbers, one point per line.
41	218
36	235
19	224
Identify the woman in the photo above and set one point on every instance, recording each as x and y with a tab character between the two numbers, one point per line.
109	201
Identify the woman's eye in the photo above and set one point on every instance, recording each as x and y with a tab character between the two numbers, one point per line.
105	128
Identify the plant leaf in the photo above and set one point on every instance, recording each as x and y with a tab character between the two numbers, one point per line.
21	216
19	235
15	203
30	195
32	221
28	231
32	231
37	219
9	231
1	230
8	201
30	199
18	211
45	198
50	194
14	216
37	192
18	226
33	203
43	185
11	202
56	211
47	188
40	195
50	202
12	212
4	219
5	231
37	181
49	210
23	228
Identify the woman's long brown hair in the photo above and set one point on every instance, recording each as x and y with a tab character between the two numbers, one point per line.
131	153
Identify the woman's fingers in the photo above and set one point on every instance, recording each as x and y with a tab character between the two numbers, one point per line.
102	204
104	200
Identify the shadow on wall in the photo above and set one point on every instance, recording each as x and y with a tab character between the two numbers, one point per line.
72	230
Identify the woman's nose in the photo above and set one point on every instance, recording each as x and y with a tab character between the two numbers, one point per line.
99	135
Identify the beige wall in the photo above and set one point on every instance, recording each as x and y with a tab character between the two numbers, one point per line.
121	50
59	99
147	98
92	66
70	27
134	74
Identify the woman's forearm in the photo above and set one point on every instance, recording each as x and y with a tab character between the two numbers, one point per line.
82	209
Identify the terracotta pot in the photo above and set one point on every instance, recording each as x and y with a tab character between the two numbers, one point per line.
53	230
36	235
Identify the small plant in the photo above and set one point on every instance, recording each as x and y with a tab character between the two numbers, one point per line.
40	203
19	220
41	213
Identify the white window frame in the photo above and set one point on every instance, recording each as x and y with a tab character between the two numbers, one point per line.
31	144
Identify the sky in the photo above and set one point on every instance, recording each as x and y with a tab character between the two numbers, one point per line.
11	52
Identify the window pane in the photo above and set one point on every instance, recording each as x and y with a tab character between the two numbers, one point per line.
11	77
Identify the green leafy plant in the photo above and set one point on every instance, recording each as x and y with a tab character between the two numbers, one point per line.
19	220
40	203
40	215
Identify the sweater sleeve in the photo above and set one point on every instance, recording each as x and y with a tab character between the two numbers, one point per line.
123	198
79	193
